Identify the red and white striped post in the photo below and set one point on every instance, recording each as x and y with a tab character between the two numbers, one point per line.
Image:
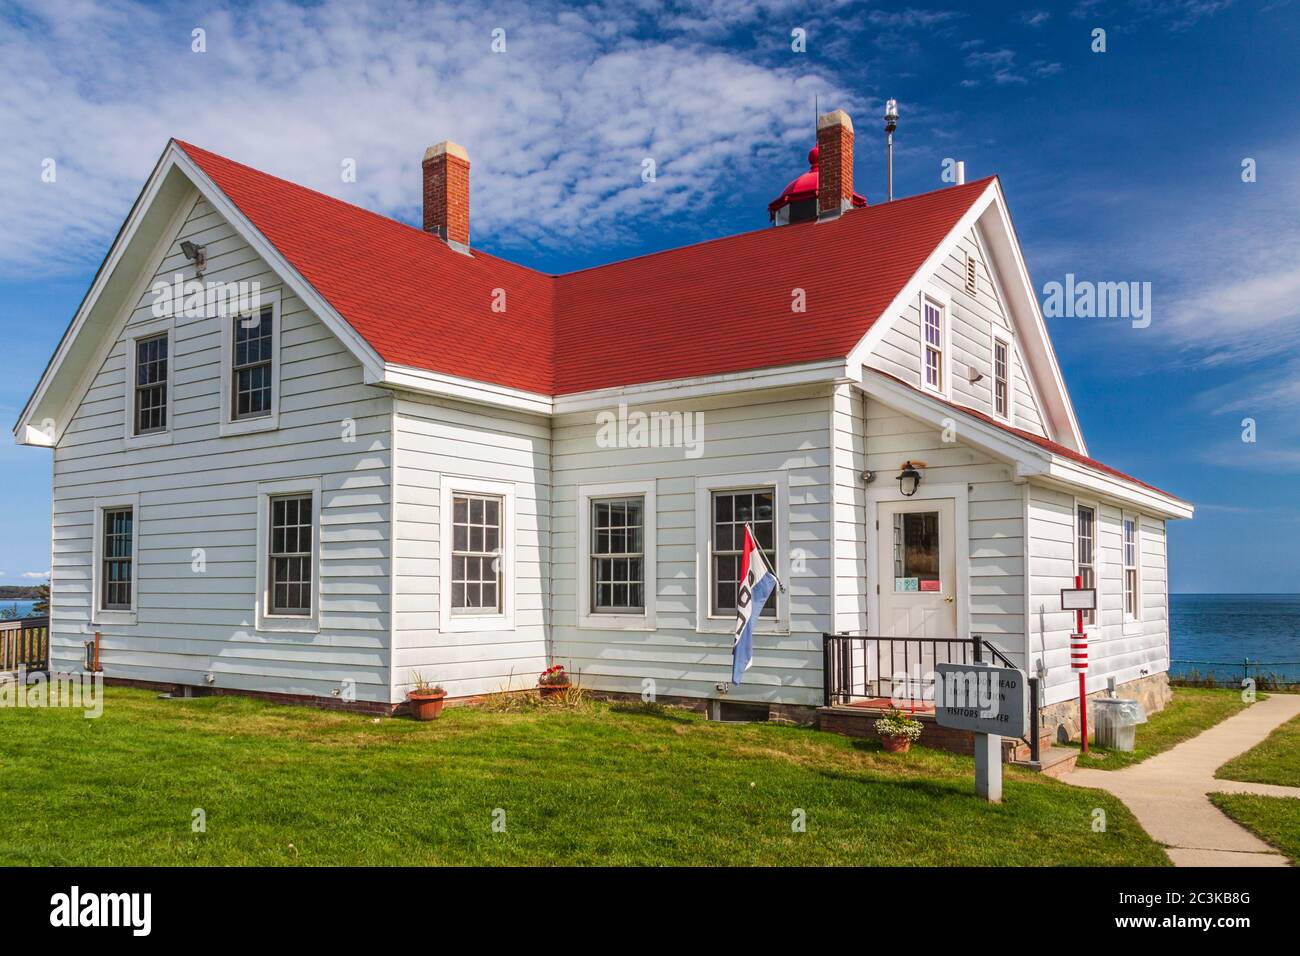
1079	661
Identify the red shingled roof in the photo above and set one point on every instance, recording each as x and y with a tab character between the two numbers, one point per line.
1054	447
716	307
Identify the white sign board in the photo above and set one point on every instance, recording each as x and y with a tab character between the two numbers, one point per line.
986	700
1078	599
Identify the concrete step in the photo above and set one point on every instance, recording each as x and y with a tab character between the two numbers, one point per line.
1053	761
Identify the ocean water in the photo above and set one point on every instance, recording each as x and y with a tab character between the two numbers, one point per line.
18	608
1218	631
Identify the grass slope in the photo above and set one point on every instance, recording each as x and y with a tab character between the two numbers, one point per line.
593	785
1274	820
1276	759
1192	710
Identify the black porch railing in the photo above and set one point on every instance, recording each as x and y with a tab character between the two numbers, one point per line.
865	667
25	643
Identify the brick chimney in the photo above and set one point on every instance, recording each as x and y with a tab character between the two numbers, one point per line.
446	193
834	164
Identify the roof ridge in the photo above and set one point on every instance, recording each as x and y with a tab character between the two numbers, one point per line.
573	272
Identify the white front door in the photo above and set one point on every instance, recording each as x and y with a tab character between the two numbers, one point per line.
916	564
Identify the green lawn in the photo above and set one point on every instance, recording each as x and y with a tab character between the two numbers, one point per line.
1276	759
1274	820
1192	710
595	784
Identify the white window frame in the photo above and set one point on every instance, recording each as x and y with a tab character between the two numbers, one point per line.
264	619
705	621
1095	508
1135	567
943	301
608	621
147	330
229	425
99	615
1000	336
462	621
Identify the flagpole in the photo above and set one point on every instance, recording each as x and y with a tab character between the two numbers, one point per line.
750	528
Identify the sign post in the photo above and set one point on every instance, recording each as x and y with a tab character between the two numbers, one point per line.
1079	599
991	702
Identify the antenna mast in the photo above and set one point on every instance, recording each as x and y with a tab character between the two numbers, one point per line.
891	124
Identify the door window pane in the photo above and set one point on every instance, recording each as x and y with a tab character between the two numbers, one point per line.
916	551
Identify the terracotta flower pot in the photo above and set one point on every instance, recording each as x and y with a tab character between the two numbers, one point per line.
897	743
552	690
426	706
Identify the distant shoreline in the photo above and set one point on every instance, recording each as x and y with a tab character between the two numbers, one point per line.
11	592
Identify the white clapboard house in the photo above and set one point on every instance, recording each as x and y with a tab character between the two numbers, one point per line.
410	455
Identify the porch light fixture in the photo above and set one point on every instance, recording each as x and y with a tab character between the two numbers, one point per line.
909	480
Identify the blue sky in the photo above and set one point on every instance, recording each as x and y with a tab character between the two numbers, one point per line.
1123	165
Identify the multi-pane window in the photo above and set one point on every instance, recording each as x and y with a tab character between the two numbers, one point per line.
1130	568
1087	529
151	384
732	510
116	559
252	367
618	556
476	549
291	554
932	333
1000	403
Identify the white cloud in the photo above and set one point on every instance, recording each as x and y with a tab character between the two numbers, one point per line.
556	127
35	575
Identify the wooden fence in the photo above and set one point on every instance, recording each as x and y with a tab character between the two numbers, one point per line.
25	642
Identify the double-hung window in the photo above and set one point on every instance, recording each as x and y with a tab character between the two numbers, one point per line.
477	541
252	367
932	343
1001	378
114	586
615	573
150	412
117	560
1086	556
618	556
732	511
290	556
1130	569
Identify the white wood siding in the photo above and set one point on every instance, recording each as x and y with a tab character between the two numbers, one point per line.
200	492
972	321
776	432
1119	649
437	441
995	561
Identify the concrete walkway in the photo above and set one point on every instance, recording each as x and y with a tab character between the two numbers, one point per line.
1168	792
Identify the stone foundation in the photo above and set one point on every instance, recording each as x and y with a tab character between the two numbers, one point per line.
801	714
1061	720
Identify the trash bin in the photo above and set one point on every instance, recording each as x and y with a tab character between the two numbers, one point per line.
1115	721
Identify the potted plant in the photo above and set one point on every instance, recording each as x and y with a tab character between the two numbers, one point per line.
897	731
553	681
426	699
